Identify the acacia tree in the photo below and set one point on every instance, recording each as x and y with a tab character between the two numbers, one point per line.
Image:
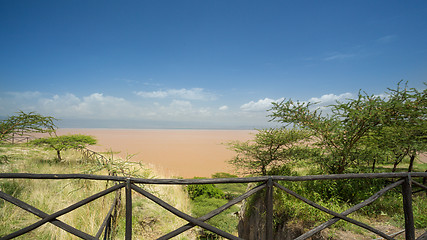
60	143
270	147
341	136
25	123
405	131
337	134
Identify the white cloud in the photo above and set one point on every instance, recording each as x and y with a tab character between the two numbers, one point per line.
328	99
181	104
260	105
189	94
155	94
94	106
223	108
98	106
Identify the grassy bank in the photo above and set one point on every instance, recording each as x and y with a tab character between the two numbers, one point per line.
149	220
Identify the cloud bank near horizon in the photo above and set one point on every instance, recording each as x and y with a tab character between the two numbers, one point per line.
176	107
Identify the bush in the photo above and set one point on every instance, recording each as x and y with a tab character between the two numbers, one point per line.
207	190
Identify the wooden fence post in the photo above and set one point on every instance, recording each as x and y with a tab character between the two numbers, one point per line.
128	210
269	210
407	208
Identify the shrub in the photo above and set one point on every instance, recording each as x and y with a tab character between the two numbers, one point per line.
207	190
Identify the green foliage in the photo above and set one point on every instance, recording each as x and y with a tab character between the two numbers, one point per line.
25	123
204	190
60	143
358	128
350	191
226	221
231	190
118	167
270	147
404	133
420	209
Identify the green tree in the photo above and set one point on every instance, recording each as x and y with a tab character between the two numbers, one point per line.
404	133
270	147
353	129
336	134
25	123
60	143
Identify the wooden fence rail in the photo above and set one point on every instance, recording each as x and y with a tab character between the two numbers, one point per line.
266	182
18	139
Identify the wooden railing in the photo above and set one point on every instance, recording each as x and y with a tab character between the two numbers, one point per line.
18	139
267	183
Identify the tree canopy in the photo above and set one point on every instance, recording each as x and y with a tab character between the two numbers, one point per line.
60	143
351	129
270	147
25	123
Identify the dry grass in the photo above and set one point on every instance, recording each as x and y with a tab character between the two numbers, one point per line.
149	220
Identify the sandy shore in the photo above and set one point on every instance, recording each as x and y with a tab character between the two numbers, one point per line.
185	153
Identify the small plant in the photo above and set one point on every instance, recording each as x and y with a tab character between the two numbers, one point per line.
4	159
61	143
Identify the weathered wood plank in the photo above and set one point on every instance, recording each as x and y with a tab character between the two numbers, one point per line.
183	215
193	222
128	234
335	214
213	212
269	210
62	212
419	185
214	180
106	219
350	210
42	214
407	209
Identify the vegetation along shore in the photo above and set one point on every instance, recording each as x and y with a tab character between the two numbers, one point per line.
368	134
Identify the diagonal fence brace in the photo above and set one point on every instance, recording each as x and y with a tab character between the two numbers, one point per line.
62	212
183	215
350	210
335	214
213	213
42	214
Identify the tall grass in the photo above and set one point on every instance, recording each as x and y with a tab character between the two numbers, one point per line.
149	220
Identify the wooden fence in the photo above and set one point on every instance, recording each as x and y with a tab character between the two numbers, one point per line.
18	139
267	183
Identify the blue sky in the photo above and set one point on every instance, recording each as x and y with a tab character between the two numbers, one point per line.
201	64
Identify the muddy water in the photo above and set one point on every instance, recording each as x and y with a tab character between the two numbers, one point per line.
185	153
